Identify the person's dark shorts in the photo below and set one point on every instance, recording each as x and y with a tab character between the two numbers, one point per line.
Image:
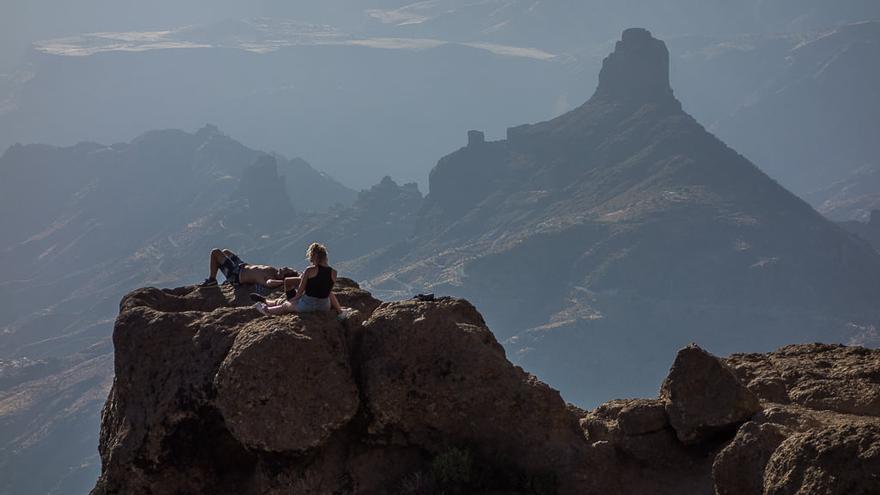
231	268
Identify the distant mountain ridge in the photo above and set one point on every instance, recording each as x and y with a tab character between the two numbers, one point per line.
595	239
767	79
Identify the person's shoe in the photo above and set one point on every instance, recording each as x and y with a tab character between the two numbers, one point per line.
257	298
261	307
344	314
208	282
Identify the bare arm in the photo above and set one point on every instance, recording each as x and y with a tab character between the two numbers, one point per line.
274	282
309	273
334	303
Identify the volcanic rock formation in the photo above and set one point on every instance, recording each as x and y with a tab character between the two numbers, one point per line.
601	241
418	397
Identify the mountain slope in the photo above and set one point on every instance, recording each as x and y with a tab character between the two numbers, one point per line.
622	229
809	126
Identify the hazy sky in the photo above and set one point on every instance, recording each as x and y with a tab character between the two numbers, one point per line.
25	21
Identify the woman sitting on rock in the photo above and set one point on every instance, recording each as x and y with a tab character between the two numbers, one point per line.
313	288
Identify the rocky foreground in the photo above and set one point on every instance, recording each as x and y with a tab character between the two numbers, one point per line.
418	397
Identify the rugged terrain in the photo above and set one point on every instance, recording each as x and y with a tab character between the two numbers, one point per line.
602	240
418	397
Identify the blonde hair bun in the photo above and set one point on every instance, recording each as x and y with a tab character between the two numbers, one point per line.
318	251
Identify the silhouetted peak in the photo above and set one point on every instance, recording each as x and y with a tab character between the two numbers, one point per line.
208	130
638	69
388	189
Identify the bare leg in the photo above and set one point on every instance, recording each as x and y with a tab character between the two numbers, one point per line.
281	309
217	258
291	283
334	303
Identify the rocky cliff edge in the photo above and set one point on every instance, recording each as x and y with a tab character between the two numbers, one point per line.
418	397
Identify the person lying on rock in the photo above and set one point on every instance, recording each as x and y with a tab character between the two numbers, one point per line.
310	292
238	272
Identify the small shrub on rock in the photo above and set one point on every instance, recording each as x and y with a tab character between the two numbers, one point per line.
453	469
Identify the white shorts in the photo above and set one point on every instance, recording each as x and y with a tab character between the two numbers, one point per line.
308	304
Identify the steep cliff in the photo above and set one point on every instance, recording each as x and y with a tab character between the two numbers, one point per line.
418	397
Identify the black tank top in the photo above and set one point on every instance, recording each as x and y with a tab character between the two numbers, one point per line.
319	286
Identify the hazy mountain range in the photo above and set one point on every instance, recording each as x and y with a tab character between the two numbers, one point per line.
783	92
594	242
623	228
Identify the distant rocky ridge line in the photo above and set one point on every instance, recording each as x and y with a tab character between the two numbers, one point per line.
418	397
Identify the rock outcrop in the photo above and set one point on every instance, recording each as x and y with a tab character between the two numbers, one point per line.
436	372
419	397
704	397
638	67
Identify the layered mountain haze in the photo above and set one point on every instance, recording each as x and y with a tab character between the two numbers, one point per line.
102	220
595	242
809	125
284	85
109	217
869	230
781	83
600	240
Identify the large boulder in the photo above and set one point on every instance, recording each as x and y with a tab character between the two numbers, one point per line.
166	354
286	383
843	459
703	397
636	429
643	416
350	295
434	375
739	468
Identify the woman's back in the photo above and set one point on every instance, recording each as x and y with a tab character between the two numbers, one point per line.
321	284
